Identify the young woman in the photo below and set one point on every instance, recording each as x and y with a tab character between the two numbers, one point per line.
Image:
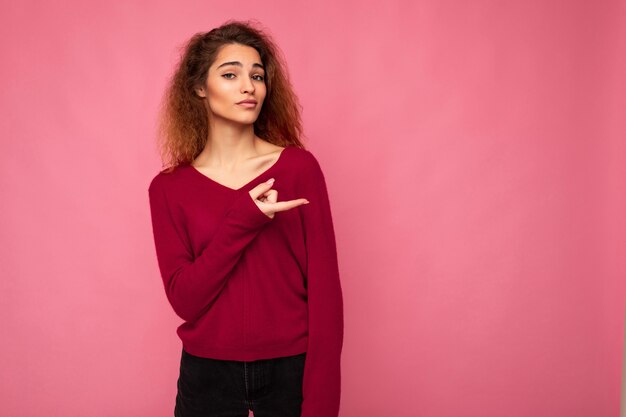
244	236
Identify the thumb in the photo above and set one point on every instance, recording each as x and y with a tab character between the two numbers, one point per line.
262	188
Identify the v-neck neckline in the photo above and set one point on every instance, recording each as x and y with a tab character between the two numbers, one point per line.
235	190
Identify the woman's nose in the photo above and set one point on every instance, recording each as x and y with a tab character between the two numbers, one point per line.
248	86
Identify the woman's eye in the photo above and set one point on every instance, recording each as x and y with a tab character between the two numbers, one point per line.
260	77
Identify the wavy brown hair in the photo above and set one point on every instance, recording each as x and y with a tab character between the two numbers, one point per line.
183	127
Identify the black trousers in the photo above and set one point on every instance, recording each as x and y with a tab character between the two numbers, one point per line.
223	388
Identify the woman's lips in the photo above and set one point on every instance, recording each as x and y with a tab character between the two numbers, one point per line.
247	104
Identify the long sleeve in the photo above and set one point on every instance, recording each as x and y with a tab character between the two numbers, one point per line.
192	285
322	373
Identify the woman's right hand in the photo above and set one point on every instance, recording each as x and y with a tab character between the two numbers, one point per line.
266	199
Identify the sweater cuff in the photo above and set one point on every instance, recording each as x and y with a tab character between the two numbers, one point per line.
248	212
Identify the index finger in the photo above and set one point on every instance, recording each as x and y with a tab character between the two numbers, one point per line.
289	204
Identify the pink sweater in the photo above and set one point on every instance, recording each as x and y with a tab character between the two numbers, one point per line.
252	287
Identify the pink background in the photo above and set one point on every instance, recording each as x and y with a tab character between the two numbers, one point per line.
475	158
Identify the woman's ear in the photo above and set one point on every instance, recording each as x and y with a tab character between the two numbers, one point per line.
200	92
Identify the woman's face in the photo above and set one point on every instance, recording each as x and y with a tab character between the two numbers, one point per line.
237	74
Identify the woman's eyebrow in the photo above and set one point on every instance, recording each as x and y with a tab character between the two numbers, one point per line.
239	64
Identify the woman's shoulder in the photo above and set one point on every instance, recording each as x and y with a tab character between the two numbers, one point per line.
305	165
167	176
303	157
